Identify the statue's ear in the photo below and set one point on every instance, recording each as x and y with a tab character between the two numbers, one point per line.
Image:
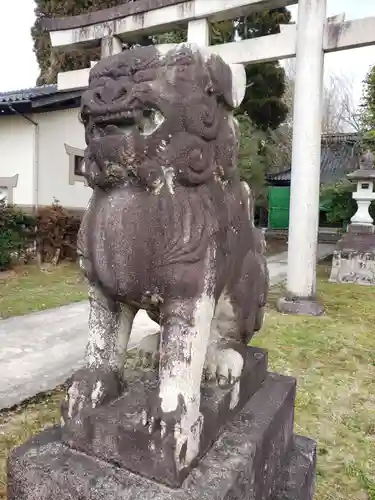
228	80
238	84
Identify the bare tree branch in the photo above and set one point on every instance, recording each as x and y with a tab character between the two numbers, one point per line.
339	112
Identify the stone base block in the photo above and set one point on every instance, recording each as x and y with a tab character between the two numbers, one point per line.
305	307
297	478
254	458
361	229
354	258
350	266
121	434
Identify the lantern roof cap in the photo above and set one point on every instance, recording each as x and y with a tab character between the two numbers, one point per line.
366	170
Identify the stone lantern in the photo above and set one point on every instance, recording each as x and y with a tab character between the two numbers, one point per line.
364	194
354	258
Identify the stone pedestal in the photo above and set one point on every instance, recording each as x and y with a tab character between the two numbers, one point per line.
354	257
300	306
246	453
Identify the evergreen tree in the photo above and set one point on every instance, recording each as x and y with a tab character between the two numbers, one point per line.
368	111
266	82
52	62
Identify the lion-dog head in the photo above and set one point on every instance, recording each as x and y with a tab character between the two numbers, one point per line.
156	119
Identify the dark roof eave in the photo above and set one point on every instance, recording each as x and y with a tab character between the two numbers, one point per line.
280	176
14	108
38	103
25	95
58	98
12	104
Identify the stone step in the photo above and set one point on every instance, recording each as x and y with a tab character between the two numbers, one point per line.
242	464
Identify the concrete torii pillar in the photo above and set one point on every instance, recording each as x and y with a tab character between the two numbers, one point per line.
306	157
110	45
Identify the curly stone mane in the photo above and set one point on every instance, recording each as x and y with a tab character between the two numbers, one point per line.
153	118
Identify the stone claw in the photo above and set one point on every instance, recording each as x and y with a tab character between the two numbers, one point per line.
149	421
90	389
225	365
163	429
187	441
151	425
144	418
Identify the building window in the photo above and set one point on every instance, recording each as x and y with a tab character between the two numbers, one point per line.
76	164
3	195
7	186
79	164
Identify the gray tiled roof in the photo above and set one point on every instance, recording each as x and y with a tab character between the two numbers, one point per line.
338	158
27	94
337	161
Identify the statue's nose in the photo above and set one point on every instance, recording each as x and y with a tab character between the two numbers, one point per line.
114	91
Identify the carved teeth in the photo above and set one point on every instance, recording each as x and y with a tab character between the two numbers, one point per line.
147	122
144	417
151	425
163	429
151	122
125	128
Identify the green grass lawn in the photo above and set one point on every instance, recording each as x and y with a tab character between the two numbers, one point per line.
333	358
28	289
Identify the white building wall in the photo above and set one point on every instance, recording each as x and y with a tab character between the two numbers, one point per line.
57	128
17	137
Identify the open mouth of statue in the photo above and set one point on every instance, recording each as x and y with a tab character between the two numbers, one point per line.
147	121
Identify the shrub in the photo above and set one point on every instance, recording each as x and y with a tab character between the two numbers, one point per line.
338	202
57	234
17	232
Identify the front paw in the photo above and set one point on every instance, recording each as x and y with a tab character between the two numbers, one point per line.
89	389
185	424
225	366
187	435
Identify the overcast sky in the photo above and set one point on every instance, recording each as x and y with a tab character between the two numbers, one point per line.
19	68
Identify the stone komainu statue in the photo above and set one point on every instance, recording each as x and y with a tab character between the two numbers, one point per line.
169	228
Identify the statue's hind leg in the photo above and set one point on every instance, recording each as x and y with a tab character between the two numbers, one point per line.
100	380
223	362
148	347
238	314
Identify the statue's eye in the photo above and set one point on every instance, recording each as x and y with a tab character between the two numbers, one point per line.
209	89
81	117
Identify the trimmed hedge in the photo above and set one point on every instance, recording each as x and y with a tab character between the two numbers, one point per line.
57	231
51	233
17	233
